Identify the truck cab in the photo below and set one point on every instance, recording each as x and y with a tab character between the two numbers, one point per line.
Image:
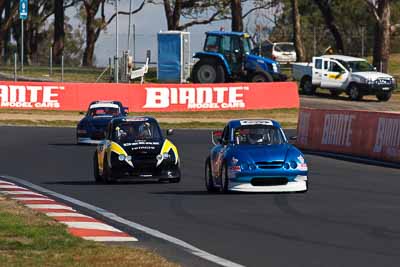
338	74
227	56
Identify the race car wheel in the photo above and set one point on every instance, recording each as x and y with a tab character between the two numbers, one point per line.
97	176
224	180
384	96
355	93
107	172
209	181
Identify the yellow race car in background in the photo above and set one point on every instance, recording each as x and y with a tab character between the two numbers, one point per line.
135	147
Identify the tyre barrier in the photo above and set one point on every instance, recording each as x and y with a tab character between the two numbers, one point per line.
374	135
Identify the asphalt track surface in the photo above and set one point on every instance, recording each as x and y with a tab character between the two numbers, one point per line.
349	217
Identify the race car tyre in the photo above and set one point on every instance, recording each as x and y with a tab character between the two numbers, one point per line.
261	78
107	172
208	71
307	87
209	181
97	176
224	180
355	93
384	96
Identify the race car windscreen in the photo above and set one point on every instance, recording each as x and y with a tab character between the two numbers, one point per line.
137	130
258	135
103	111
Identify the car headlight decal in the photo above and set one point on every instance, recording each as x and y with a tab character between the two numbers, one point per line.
168	151
122	155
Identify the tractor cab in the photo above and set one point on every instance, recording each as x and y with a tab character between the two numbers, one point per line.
233	47
227	57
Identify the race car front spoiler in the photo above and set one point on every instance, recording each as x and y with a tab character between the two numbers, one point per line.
87	140
297	185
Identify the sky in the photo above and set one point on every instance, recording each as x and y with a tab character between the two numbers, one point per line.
148	22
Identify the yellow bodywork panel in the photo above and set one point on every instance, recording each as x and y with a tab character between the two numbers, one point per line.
117	149
167	146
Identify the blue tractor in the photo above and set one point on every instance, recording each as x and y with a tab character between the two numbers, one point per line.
228	56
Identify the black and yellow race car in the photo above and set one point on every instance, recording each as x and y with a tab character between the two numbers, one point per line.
135	147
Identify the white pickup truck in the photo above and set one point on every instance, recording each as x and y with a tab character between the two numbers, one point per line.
354	76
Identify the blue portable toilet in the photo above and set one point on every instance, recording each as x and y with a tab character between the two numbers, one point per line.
173	64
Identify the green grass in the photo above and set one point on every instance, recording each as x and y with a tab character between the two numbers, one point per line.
201	119
55	123
71	74
28	238
90	74
165	125
394	68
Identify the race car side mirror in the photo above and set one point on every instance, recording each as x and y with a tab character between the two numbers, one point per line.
216	137
170	131
126	110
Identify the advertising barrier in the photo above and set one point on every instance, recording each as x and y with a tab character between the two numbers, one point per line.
150	97
374	135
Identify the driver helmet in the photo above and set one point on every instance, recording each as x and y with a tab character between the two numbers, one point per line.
256	135
144	130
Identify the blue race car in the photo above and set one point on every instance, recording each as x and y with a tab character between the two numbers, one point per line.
91	129
254	156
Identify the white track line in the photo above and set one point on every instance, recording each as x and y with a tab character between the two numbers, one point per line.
32	198
91	226
6	182
66	214
48	206
153	232
10	187
21	193
110	238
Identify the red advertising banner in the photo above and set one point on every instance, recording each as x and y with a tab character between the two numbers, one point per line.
361	133
150	97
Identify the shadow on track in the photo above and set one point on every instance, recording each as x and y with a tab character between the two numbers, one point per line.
205	193
79	183
353	159
71	144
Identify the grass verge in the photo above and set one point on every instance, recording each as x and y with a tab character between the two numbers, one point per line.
202	119
28	238
177	125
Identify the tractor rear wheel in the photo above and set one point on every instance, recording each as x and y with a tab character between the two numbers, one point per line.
208	71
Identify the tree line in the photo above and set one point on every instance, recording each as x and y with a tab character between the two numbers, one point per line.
334	23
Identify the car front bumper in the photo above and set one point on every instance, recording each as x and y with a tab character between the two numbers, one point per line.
299	184
88	140
145	170
371	89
